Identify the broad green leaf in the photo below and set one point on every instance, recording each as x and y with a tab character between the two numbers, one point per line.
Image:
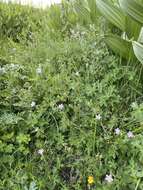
111	13
138	50
82	10
120	46
140	39
133	8
93	12
132	28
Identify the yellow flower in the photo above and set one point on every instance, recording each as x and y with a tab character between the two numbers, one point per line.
90	180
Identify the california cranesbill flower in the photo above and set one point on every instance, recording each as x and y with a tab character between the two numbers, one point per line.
117	131
130	134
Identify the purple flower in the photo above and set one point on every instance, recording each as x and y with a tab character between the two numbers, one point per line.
109	178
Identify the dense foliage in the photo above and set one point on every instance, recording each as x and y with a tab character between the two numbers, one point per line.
71	111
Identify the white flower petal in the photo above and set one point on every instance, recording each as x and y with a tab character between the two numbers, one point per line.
117	131
40	151
130	134
33	104
109	178
61	106
98	117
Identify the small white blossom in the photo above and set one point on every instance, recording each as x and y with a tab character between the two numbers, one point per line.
39	70
87	65
2	70
83	33
23	77
13	66
130	134
14	90
98	117
61	106
91	26
40	151
33	104
77	73
134	105
109	178
36	129
117	131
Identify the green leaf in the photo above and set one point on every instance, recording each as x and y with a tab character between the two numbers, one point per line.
83	11
138	50
93	12
112	13
140	38
132	28
120	46
133	8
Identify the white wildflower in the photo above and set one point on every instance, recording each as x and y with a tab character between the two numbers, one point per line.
36	129
61	106
12	65
98	117
117	131
23	77
2	70
40	151
83	33
39	70
77	73
134	105
130	134
109	178
33	104
14	90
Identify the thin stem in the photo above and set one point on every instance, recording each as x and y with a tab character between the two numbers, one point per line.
138	182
